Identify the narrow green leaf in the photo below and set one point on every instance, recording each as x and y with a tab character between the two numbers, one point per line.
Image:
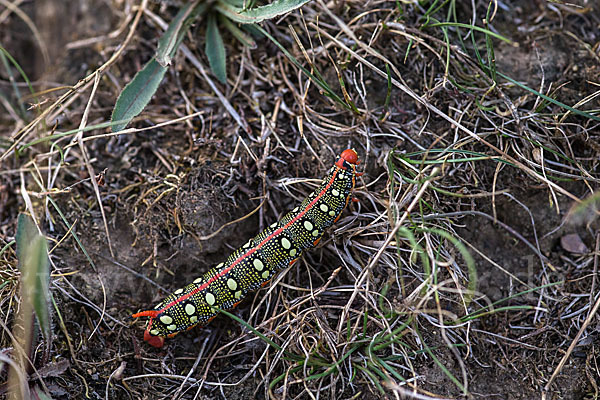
137	94
21	72
40	394
251	328
240	35
6	247
32	252
26	232
215	49
259	14
173	36
37	282
550	99
474	27
21	110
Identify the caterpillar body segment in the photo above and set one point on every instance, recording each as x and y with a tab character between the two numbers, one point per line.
258	260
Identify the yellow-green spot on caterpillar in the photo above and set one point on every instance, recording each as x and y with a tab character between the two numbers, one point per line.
231	284
258	264
190	309
210	299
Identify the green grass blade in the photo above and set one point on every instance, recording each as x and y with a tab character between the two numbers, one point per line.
484	310
7	246
215	49
445	370
32	252
21	110
14	62
240	35
69	227
18	67
333	367
467	258
137	94
474	27
388	368
283	376
370	375
550	99
55	136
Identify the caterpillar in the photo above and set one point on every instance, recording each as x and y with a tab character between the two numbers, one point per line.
255	263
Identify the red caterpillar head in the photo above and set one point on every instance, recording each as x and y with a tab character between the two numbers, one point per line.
348	158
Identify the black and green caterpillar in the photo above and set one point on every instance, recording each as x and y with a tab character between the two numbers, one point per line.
258	261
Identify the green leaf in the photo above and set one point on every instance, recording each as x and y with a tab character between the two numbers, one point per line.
240	35
173	36
137	94
26	232
18	67
215	49
258	14
32	252
40	394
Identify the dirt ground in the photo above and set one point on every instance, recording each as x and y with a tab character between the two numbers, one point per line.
467	151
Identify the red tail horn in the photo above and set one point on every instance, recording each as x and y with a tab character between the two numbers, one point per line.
149	313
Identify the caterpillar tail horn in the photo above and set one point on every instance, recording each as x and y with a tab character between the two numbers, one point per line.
148	313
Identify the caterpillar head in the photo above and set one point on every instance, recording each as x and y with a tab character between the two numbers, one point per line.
348	159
